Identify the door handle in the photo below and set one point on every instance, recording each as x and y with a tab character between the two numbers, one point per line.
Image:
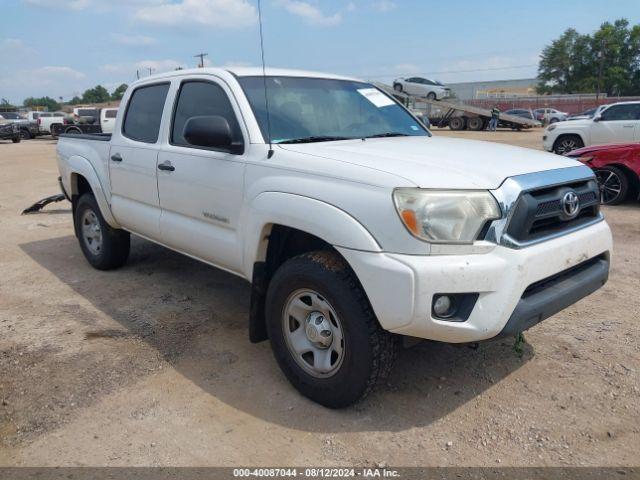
166	166
116	157
628	126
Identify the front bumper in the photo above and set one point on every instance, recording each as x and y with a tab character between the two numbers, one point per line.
547	141
401	287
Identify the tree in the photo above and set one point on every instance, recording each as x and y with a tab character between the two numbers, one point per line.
119	92
48	102
97	94
75	100
6	105
608	61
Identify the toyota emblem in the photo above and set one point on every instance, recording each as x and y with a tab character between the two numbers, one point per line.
570	204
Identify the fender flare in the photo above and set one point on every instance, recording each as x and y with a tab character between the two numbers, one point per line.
325	221
77	165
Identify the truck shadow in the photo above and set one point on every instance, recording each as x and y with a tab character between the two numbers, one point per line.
195	317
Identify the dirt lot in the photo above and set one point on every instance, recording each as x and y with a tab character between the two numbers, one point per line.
151	365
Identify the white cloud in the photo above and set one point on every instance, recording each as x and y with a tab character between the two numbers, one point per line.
133	40
385	6
67	5
143	66
51	80
211	13
98	5
310	13
52	74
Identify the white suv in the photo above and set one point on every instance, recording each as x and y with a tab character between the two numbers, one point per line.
618	123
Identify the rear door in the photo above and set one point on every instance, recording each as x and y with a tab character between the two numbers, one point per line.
617	124
201	189
133	158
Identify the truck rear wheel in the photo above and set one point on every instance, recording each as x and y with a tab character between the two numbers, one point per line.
457	123
16	139
323	332
104	247
475	123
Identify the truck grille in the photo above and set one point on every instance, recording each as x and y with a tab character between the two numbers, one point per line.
544	212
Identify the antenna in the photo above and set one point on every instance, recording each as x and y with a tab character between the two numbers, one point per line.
264	81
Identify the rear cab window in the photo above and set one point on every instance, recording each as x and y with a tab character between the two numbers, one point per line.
144	113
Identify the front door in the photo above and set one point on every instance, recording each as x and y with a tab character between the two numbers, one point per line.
132	162
616	125
201	189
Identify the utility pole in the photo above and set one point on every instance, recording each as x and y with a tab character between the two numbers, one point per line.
201	56
603	46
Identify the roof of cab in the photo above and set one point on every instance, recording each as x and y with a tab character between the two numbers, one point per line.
245	72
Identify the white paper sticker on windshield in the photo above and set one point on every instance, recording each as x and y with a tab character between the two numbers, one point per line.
376	97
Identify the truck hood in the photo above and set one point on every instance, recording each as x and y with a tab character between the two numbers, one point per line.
437	162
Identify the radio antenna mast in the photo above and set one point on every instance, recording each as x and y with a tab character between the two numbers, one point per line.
264	81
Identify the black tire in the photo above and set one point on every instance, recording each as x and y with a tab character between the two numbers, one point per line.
16	139
431	96
73	131
553	120
25	134
614	185
475	123
397	87
369	351
566	143
457	123
114	243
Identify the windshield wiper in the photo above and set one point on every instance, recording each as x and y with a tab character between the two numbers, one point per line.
315	139
388	134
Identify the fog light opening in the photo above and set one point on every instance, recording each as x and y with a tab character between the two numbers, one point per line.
444	306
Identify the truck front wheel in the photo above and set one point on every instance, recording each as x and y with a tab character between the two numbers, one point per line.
104	247
323	332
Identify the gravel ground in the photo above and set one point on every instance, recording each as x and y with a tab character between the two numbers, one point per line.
151	365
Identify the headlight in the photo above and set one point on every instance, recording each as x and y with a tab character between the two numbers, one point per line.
445	216
551	128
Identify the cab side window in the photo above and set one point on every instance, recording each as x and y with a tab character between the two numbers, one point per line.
202	98
144	113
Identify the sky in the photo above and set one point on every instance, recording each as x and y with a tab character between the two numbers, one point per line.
60	48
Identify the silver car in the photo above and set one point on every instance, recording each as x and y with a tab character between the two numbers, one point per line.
422	87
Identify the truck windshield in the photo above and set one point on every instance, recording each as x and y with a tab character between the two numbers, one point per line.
305	110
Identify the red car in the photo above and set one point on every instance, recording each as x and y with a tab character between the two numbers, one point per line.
617	168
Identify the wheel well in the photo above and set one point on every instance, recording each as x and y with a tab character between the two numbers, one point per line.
79	186
283	243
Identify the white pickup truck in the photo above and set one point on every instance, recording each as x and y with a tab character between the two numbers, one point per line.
354	225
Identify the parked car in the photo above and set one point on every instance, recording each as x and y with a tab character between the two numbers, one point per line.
353	223
423	87
521	112
47	119
592	112
9	131
617	168
28	129
550	115
617	123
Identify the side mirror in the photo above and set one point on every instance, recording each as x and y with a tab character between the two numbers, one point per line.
211	131
597	118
